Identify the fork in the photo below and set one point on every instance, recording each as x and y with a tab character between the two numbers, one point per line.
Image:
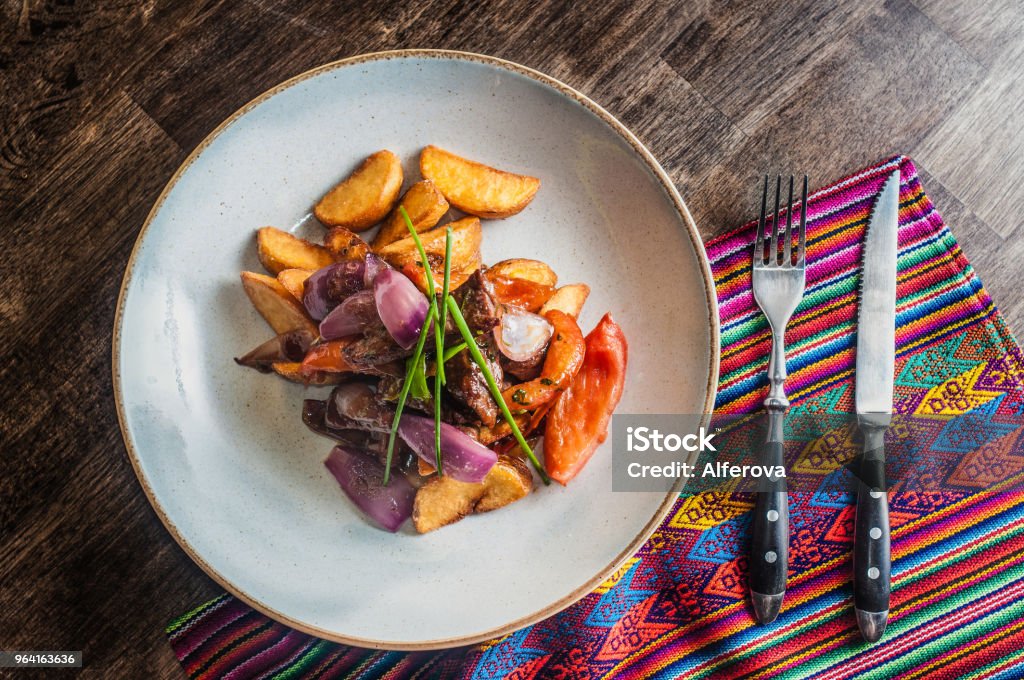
778	288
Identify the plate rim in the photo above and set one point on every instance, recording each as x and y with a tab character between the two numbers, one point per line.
566	600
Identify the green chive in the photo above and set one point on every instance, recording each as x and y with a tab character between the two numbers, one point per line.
452	351
417	355
467	335
438	331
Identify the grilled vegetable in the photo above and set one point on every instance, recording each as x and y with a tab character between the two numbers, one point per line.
288	347
578	422
275	304
294	281
360	475
425	206
520	293
568	299
292	371
466	235
563	360
326	288
476	188
528	270
365	196
278	250
401	307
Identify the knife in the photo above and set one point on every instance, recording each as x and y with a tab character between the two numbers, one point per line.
876	360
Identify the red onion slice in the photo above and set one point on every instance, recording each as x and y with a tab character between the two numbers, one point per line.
360	478
327	287
290	346
462	457
374	265
350	317
401	306
521	335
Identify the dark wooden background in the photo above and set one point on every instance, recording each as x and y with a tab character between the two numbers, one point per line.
101	101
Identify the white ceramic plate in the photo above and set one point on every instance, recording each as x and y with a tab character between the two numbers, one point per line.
221	451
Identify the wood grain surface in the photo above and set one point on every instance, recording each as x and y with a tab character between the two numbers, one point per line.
101	101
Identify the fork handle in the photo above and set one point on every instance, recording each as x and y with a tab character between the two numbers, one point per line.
769	555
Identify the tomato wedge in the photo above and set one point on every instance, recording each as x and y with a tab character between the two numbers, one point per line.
563	360
327	357
528	295
578	422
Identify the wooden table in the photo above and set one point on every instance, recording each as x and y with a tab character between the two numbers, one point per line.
100	102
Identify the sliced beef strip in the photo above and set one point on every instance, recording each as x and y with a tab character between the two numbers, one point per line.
376	347
466	382
477	302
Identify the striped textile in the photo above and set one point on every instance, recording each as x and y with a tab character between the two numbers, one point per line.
678	607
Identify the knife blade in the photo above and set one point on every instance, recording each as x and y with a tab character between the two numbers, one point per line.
876	360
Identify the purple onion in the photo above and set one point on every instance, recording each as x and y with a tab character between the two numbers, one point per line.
350	317
327	287
374	265
360	478
290	346
355	406
401	306
520	335
463	457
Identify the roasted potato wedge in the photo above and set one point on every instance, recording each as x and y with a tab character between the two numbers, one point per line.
292	371
476	188
507	482
425	206
344	244
442	501
466	236
528	270
275	304
294	281
363	198
569	299
278	250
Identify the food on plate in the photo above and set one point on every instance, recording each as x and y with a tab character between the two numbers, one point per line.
425	206
465	247
476	188
294	281
578	421
275	304
278	250
525	270
440	374
444	500
363	198
568	299
344	244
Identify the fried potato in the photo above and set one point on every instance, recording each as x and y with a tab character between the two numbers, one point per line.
475	188
569	299
425	206
294	281
442	501
275	304
278	250
292	371
344	244
528	270
507	482
364	197
405	256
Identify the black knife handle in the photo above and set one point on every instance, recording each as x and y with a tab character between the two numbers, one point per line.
769	554
871	557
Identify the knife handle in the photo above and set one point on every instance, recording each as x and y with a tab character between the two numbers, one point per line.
871	556
769	554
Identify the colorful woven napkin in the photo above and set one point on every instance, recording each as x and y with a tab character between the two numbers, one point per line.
678	608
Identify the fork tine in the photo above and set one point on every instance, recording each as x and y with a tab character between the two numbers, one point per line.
759	243
801	252
773	253
787	248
